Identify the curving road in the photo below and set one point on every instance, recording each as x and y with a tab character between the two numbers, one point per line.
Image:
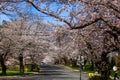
54	72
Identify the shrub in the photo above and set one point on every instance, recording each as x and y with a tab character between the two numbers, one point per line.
97	78
30	66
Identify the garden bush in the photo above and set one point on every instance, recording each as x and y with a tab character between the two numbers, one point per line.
96	78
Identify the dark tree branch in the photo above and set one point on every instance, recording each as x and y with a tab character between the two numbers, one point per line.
109	5
116	40
50	14
115	8
86	24
113	27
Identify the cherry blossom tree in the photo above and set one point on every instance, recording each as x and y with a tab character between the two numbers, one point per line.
7	46
82	14
26	37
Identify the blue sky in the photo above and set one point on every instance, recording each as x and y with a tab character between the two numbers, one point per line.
45	18
3	17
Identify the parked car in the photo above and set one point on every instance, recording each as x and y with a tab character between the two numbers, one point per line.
42	63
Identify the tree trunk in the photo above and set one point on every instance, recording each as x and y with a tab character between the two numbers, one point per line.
66	61
105	71
104	67
74	63
3	65
92	66
3	68
32	66
105	75
21	64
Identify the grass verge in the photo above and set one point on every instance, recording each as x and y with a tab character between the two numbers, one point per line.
88	70
16	73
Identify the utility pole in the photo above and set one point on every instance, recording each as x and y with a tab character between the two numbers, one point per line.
80	67
80	60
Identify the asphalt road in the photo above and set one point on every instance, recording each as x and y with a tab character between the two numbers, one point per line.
53	72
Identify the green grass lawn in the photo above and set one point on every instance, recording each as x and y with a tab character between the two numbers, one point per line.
112	73
16	73
87	69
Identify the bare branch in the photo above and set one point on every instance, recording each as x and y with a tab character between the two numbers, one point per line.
86	24
113	27
51	14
